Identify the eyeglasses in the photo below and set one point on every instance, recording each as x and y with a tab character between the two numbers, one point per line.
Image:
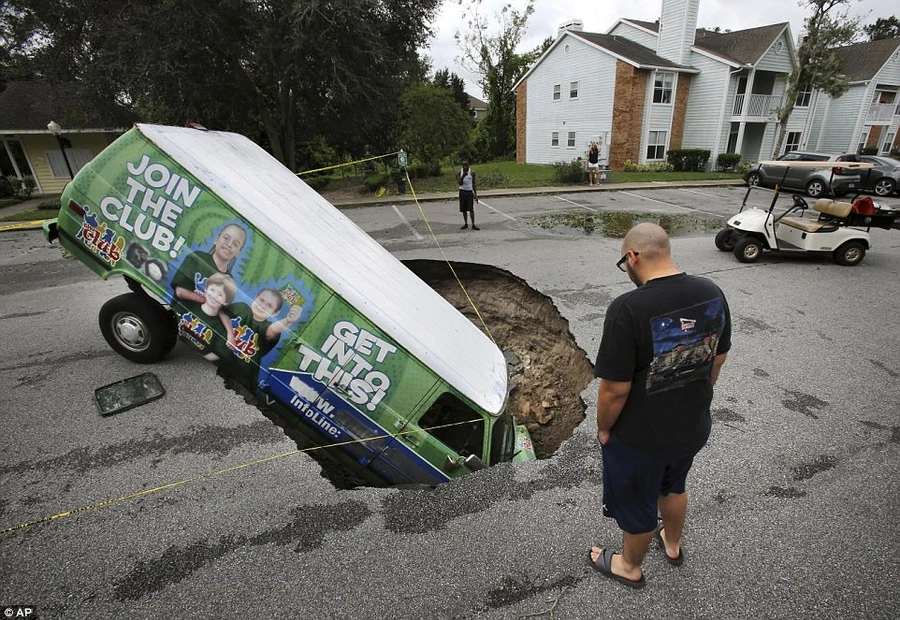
621	263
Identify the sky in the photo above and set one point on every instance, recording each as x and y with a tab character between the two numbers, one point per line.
600	15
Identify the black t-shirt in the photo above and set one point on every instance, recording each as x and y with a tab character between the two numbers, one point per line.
663	337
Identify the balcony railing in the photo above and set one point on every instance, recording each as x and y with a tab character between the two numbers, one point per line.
881	112
757	105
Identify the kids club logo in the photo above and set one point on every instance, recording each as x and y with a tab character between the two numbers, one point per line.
100	239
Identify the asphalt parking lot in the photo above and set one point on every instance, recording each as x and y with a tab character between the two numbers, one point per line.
793	502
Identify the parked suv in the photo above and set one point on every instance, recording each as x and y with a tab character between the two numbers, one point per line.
816	182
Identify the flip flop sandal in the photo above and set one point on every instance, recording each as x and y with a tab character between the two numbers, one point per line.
662	546
603	565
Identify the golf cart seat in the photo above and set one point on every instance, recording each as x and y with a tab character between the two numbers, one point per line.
825	206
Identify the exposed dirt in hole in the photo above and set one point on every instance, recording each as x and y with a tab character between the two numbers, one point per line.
548	370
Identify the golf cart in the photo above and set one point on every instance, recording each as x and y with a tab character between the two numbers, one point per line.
839	228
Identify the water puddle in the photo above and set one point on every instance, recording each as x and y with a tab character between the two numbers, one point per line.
616	224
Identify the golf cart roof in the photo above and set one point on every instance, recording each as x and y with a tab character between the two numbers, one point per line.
850	165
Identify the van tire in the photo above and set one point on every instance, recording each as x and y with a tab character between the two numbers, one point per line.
748	249
138	328
850	253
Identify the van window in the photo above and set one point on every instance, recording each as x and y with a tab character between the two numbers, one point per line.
465	436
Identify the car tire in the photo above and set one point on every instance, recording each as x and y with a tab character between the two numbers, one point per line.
754	179
884	187
138	328
850	253
748	249
815	188
725	240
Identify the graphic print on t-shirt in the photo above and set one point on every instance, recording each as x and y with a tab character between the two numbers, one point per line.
684	345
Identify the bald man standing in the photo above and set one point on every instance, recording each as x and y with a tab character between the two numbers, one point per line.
662	349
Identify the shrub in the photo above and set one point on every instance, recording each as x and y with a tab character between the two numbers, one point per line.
10	186
424	170
317	183
28	186
657	166
569	173
744	166
375	181
727	161
493	179
688	160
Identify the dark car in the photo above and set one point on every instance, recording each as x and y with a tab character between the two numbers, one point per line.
884	178
816	182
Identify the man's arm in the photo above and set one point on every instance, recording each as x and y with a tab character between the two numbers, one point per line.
717	366
611	397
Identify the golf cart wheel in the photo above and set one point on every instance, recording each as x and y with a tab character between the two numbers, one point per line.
850	254
754	179
725	240
815	188
748	249
138	328
884	187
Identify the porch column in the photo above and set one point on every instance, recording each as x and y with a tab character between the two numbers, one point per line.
739	145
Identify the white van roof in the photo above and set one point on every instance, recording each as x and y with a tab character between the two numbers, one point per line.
342	255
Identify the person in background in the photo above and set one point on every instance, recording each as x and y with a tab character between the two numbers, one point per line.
593	162
468	194
661	352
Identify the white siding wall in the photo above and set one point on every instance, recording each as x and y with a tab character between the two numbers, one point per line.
839	128
637	35
771	61
819	111
677	25
704	106
588	115
890	73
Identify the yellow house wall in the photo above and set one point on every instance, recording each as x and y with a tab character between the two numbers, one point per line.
36	147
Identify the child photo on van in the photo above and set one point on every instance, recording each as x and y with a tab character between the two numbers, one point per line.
187	282
204	329
255	334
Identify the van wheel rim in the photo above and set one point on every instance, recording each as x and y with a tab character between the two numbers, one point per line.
130	332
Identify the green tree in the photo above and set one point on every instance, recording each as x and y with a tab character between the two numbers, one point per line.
456	86
818	65
883	28
433	124
491	53
266	68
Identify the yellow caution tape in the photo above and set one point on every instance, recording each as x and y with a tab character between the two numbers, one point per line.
69	513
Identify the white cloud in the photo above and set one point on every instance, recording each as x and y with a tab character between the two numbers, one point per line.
600	15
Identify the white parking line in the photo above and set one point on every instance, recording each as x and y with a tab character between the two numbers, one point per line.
509	217
408	225
576	204
690	191
669	204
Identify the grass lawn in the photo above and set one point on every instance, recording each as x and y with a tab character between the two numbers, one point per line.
509	174
27	216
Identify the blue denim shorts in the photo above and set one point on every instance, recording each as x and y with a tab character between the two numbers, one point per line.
633	480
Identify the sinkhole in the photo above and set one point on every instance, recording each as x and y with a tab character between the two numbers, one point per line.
547	370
